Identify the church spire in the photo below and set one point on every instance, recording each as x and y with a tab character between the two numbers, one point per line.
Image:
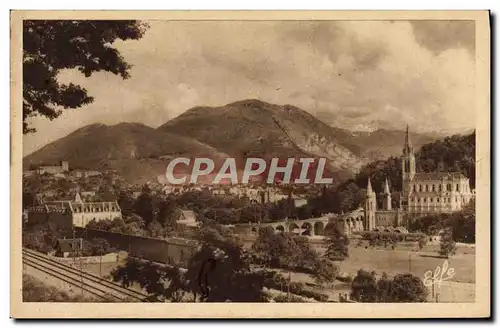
387	196
369	189
408	146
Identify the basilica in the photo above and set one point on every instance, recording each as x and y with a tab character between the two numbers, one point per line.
422	194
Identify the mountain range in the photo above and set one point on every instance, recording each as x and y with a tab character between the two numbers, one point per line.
247	128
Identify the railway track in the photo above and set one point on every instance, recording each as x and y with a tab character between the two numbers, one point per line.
92	284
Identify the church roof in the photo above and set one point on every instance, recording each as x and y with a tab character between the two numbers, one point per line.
427	176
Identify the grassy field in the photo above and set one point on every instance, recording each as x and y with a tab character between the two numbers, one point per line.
460	288
400	261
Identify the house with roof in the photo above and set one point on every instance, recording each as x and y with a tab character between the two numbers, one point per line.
69	247
187	218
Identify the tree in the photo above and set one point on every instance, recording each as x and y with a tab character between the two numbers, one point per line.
126	202
28	199
338	246
105	194
407	288
421	242
144	205
36	240
364	287
384	289
463	223
42	236
284	250
304	212
99	247
166	213
274	249
50	46
325	272
447	244
155	229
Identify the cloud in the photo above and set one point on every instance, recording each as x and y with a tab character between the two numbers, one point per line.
438	36
352	74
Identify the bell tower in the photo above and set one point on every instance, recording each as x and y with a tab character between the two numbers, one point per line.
408	169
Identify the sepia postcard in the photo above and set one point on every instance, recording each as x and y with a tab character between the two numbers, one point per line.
218	161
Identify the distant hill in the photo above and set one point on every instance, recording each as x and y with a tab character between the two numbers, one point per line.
247	128
383	143
135	150
255	128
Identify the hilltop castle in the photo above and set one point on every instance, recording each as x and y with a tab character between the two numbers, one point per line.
422	194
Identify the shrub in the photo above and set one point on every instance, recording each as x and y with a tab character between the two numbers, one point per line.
288	299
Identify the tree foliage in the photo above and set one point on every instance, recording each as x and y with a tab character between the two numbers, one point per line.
337	246
42	236
364	287
402	288
99	246
407	288
50	46
457	153
283	250
325	272
447	245
143	206
384	289
461	223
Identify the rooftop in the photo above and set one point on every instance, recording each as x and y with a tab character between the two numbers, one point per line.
427	176
69	245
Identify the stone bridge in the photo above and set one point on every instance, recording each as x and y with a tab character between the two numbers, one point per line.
348	223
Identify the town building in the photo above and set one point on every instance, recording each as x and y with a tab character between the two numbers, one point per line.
54	169
77	212
86	173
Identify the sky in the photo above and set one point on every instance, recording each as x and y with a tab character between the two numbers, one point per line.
358	75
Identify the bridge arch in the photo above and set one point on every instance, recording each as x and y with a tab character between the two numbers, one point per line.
319	228
308	229
293	226
280	228
268	227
